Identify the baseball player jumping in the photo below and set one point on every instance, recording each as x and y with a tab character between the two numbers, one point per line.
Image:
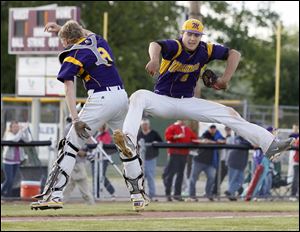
172	98
88	57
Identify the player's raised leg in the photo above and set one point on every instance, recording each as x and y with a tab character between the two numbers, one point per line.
133	173
208	111
145	101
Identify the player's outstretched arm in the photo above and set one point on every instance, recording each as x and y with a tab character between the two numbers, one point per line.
154	52
80	126
71	98
232	63
52	27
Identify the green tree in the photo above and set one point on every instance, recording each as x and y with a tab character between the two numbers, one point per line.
255	77
131	27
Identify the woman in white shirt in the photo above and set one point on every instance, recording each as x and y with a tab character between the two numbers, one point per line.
13	155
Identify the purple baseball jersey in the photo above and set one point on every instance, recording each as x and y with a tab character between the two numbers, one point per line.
81	63
180	70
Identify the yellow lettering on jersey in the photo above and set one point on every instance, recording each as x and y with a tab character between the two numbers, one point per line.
166	63
186	68
105	55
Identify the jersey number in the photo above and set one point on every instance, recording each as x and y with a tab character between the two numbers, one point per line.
105	55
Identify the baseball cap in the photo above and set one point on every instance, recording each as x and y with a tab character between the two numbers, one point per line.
193	26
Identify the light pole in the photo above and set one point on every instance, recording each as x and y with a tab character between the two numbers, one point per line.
277	75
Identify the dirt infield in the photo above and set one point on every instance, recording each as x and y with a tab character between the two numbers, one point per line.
157	215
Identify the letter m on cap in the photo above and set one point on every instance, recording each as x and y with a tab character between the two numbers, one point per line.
195	25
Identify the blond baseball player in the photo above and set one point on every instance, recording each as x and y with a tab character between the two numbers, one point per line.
88	57
179	71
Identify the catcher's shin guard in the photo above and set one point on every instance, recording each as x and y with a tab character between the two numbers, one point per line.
135	185
138	196
51	198
59	175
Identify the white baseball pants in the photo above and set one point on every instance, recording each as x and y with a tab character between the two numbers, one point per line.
191	109
102	107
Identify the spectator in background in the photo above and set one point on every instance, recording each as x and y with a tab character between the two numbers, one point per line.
105	137
229	139
292	163
207	161
237	162
149	154
79	177
177	133
13	155
295	133
264	184
295	183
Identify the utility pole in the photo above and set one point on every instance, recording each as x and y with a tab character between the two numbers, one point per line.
105	26
194	12
277	76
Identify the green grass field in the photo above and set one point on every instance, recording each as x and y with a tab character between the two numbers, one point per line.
93	217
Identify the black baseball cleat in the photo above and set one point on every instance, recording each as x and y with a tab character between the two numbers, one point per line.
277	147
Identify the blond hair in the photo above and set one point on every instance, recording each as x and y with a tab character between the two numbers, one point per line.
71	31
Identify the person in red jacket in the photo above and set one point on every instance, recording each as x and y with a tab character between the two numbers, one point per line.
176	133
105	137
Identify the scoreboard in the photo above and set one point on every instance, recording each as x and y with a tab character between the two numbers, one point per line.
26	28
36	51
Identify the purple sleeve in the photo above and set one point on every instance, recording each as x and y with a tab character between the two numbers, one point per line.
67	72
219	52
169	48
69	69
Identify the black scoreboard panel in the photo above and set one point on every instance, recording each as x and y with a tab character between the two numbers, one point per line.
26	29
